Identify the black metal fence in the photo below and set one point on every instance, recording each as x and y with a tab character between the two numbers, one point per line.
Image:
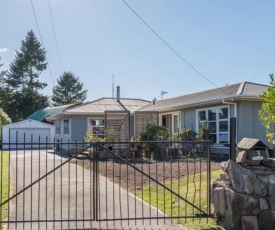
104	184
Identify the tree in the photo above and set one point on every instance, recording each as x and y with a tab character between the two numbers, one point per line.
267	113
69	90
22	79
4	92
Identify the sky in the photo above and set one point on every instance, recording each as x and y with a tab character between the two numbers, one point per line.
225	41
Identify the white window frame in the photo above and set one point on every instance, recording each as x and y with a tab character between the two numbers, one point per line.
90	127
217	122
178	113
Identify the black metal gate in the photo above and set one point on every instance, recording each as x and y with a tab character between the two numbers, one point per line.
103	185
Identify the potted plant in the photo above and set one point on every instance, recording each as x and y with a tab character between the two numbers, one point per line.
267	114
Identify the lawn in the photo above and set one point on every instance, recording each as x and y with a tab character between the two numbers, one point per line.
193	189
4	174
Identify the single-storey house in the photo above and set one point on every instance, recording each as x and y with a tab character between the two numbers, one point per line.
213	109
73	123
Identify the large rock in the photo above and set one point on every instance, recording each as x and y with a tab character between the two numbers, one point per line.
237	205
244	180
266	220
219	201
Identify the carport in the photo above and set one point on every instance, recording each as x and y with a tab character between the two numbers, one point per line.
27	134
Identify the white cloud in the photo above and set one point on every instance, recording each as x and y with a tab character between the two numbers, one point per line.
3	50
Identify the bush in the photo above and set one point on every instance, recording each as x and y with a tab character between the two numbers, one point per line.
185	135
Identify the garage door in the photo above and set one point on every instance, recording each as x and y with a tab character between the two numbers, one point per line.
28	136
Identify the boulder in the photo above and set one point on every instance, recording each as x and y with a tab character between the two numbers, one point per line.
244	180
237	205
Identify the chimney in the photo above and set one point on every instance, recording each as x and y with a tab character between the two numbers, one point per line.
118	93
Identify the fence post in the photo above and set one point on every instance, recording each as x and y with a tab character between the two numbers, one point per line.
233	139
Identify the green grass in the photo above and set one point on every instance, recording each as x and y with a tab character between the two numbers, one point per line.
193	189
4	180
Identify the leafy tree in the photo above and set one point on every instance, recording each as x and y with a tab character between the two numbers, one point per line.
4	92
267	113
22	79
69	90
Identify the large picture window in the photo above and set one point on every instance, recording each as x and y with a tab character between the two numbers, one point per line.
216	122
97	126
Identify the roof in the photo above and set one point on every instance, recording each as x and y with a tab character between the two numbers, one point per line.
27	123
107	104
234	92
249	143
42	114
104	104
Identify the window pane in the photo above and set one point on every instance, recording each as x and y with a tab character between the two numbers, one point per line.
223	126
223	138
202	115
212	127
97	122
98	130
212	115
213	137
223	113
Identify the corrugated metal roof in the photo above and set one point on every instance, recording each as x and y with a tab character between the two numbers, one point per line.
107	104
208	96
41	114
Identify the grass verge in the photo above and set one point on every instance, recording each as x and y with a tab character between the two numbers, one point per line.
193	189
4	180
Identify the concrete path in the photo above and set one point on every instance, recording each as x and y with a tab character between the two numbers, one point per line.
64	199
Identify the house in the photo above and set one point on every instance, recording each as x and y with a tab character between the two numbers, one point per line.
212	109
72	124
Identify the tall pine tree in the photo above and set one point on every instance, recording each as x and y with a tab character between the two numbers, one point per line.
23	79
68	90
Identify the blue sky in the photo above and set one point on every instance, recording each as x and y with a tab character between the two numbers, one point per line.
227	41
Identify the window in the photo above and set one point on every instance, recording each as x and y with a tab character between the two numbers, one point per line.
66	126
171	121
57	127
97	126
216	121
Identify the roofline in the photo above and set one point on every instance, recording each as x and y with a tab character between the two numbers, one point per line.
233	99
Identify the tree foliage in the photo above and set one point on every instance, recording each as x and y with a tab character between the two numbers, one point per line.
22	80
68	90
267	113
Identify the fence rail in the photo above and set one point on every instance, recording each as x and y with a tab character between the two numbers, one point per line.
103	184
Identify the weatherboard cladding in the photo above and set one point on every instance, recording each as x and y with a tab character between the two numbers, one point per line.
207	96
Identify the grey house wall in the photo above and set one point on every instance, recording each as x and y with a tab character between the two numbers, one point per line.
248	122
79	127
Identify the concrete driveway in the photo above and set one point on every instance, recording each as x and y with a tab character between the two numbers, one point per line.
64	198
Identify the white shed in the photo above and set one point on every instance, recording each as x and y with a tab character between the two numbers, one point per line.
25	132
